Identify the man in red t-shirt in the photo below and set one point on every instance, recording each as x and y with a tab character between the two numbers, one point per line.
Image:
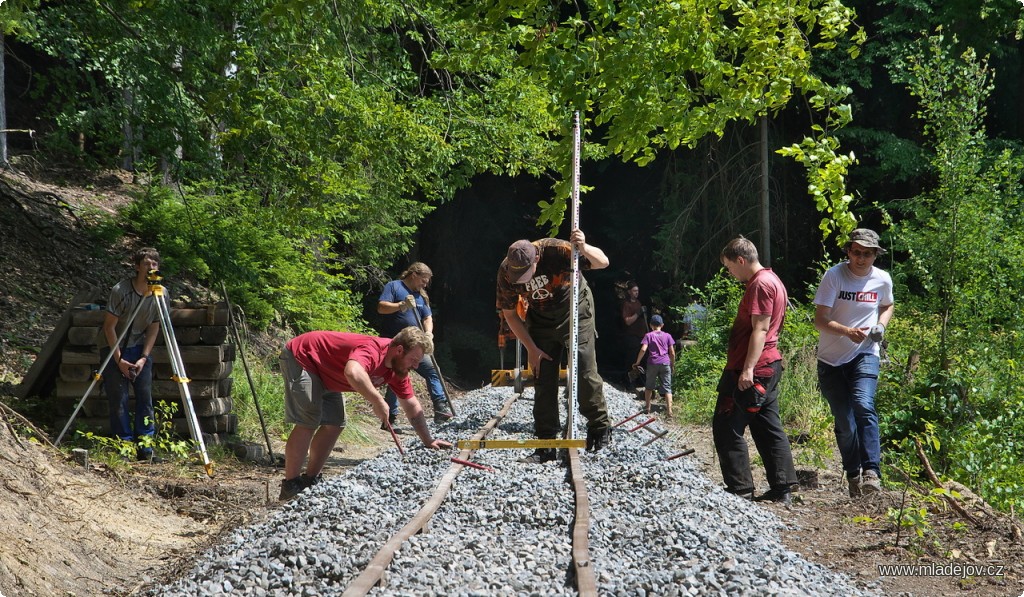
748	390
319	366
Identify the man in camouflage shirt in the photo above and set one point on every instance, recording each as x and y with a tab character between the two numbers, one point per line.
541	273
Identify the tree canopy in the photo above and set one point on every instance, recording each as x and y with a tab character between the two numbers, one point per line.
344	124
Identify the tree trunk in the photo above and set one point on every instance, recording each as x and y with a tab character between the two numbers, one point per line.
3	105
766	226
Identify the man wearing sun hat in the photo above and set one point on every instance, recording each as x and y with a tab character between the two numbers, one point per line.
541	272
853	304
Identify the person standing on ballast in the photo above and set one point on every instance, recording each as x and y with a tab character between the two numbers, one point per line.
403	303
541	272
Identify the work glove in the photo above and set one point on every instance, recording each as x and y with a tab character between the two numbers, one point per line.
408	303
877	332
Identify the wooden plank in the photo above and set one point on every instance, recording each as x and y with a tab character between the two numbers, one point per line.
190	354
219	424
80	356
41	375
194	317
196	388
199	317
69	372
83	335
184	335
93	318
212	407
195	370
75	389
213	334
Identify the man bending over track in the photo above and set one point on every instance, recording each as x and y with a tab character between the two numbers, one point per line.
319	366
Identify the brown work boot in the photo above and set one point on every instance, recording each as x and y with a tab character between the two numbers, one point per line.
393	421
776	495
442	412
870	483
597	438
856	486
291	488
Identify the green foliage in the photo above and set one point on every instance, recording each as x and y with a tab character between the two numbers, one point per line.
720	297
915	519
269	387
165	441
220	233
342	125
107	446
698	367
663	75
958	328
18	17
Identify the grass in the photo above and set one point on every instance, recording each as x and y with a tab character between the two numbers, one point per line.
805	414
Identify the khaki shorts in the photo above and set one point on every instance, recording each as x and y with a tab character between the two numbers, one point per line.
306	403
659	377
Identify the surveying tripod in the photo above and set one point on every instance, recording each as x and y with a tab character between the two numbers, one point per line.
177	366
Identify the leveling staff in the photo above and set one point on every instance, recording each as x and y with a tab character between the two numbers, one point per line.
319	366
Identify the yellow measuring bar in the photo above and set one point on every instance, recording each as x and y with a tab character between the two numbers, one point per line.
473	444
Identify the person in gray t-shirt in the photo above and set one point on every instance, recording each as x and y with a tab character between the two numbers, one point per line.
131	363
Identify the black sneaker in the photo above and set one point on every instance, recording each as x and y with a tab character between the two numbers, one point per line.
442	412
540	456
148	457
778	496
291	488
597	439
308	481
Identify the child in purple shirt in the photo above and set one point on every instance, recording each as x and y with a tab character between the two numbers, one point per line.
659	363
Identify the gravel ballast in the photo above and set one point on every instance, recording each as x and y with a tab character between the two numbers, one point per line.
658	527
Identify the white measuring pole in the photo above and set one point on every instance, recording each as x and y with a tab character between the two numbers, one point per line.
571	379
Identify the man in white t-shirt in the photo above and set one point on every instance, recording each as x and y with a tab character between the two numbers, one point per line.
853	304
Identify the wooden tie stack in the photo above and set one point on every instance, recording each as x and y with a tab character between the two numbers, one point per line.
201	334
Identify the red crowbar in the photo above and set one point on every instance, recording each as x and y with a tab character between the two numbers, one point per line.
472	464
644	424
627	420
683	453
394	436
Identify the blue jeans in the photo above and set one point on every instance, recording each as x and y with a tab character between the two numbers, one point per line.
115	386
428	372
850	392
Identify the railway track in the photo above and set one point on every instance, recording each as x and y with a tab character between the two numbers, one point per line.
418	524
580	571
